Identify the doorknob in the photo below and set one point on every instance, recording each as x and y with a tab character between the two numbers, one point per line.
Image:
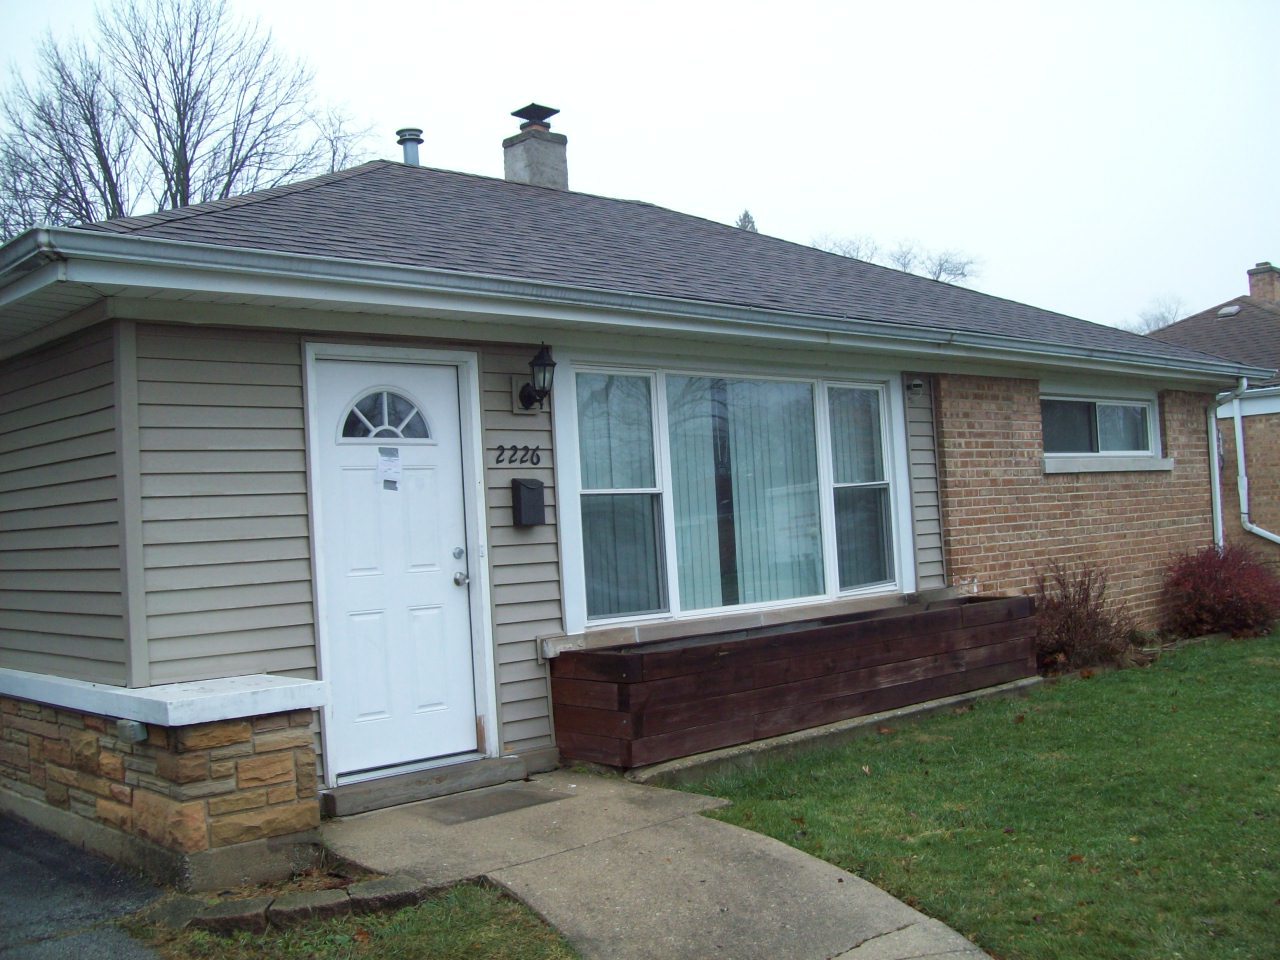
461	579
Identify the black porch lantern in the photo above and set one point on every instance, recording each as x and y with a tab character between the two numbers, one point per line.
543	370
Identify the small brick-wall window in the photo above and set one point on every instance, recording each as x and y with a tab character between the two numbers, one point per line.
1096	426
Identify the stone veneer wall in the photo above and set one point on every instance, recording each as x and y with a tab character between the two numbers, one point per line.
195	790
1004	518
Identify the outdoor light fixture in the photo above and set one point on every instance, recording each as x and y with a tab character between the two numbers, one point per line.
543	369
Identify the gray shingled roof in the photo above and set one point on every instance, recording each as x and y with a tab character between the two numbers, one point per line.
393	213
1251	336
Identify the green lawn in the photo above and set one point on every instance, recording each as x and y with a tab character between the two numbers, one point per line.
1134	814
475	922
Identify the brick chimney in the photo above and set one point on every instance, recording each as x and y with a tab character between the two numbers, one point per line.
1264	283
536	155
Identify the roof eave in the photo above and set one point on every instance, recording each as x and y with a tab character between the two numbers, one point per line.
89	256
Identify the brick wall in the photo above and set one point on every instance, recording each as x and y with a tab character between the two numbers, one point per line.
186	789
1004	518
1262	447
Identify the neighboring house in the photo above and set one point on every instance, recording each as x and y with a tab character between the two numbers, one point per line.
261	532
1247	330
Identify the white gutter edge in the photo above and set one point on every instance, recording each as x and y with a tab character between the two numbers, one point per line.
1242	475
59	243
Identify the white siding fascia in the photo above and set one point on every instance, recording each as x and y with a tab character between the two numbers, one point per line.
1252	404
129	504
564	425
900	489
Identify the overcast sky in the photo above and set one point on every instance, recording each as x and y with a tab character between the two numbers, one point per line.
1092	156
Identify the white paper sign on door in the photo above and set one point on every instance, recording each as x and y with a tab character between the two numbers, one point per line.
389	467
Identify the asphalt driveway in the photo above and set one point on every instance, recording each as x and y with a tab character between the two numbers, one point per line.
58	902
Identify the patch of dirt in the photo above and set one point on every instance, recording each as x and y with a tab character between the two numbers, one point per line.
330	873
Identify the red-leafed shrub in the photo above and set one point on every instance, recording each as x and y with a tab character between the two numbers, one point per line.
1075	625
1220	590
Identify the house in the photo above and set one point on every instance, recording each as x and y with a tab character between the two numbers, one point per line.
1247	330
295	505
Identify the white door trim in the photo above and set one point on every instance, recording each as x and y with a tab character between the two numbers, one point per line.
467	365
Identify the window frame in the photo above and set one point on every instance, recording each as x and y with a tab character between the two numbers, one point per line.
832	569
659	489
892	424
1107	461
1148	406
428	440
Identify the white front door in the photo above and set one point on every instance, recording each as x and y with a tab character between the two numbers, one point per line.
393	593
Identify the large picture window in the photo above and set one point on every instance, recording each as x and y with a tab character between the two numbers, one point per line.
703	492
744	486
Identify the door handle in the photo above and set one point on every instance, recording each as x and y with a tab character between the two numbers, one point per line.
461	579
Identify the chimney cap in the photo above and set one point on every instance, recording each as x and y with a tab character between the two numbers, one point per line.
535	115
409	138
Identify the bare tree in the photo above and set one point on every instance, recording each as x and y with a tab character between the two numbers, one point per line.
337	145
946	265
746	222
65	154
1159	313
176	103
949	266
861	247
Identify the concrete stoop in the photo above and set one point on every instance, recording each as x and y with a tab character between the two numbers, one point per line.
633	872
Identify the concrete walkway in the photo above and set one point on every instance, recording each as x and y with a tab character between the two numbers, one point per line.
632	872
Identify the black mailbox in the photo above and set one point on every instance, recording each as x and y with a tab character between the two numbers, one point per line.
528	505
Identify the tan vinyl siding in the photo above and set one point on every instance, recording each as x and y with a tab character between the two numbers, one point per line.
926	509
224	517
226	542
61	604
524	564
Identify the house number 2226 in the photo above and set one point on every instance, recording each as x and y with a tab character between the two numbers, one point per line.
514	454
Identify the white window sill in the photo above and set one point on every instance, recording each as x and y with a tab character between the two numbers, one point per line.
170	704
1105	464
671	628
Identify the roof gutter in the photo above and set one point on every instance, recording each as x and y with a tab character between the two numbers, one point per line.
22	264
71	247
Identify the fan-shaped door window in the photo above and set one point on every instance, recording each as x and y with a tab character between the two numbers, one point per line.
385	415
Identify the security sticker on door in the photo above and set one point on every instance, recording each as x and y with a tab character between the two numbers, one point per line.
389	467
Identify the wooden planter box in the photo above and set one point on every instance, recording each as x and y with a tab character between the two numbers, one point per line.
637	704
